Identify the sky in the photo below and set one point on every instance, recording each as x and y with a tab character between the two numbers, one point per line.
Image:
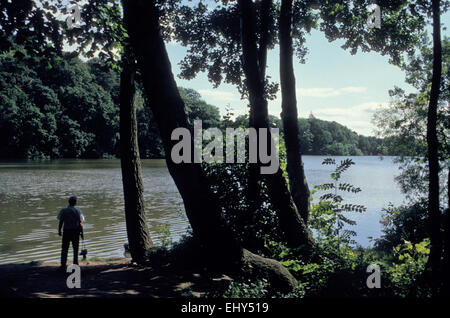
332	85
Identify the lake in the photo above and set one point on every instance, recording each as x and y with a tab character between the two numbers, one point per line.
32	193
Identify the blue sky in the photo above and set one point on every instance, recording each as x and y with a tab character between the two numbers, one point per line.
332	84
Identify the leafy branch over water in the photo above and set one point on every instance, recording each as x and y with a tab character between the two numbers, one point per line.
327	215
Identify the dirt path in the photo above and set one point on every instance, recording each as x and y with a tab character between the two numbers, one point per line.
115	278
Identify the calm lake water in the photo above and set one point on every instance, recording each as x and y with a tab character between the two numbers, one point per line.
32	193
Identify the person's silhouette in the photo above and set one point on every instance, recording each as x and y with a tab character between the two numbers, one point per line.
71	221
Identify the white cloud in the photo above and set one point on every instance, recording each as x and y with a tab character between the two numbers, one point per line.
215	95
357	117
353	89
329	92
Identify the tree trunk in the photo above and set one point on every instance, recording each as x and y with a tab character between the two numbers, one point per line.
433	161
297	179
201	205
266	21
446	257
254	187
133	188
295	231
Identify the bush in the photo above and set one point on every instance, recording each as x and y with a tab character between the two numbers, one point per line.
247	289
403	223
406	272
252	228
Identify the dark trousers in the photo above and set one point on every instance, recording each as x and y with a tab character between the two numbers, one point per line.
70	236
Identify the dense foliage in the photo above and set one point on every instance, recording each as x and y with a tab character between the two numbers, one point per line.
337	267
320	137
62	107
53	108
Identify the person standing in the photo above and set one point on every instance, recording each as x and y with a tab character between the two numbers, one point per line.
71	222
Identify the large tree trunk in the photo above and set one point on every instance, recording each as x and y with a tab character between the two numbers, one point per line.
433	161
201	205
254	186
133	188
296	233
297	179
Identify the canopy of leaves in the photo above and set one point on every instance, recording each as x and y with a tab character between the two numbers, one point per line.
32	24
211	31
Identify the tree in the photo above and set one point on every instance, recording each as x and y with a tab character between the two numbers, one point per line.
28	111
433	145
54	109
216	48
297	179
421	120
198	109
405	120
414	12
446	252
293	226
133	186
106	17
202	209
86	105
306	137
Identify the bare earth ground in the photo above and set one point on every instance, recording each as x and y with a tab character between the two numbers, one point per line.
113	278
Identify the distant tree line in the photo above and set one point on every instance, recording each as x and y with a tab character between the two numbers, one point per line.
62	107
322	137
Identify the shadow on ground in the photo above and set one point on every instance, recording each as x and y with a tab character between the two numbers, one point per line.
103	279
